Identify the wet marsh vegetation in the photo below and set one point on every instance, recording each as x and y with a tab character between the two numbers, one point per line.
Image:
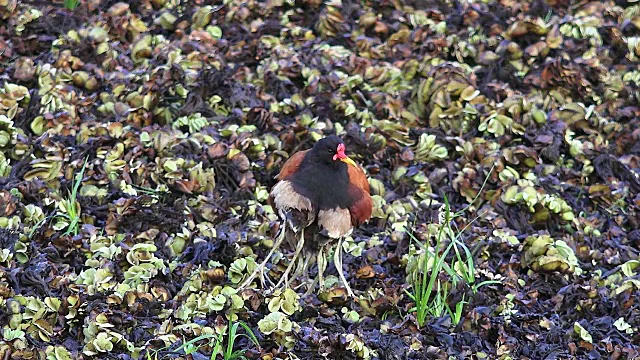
139	141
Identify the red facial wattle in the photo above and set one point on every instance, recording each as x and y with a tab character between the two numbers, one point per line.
340	153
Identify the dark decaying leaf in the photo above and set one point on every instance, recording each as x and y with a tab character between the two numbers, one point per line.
185	111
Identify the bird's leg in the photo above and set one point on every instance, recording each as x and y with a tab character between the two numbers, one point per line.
322	266
303	262
264	280
309	260
260	269
337	260
285	276
312	286
306	267
302	265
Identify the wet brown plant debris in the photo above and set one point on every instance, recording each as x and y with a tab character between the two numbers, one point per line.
140	140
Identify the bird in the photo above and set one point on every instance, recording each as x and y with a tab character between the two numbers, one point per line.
321	196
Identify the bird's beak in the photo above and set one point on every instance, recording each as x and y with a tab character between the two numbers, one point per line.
348	160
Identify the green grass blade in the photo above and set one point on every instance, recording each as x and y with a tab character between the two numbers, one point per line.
250	333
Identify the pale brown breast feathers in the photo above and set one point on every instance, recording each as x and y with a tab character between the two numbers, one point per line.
336	222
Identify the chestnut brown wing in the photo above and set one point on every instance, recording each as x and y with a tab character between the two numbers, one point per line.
362	205
291	165
290	205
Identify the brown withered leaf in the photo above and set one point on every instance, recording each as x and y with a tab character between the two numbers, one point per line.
365	272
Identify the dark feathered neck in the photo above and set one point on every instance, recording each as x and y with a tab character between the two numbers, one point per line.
324	184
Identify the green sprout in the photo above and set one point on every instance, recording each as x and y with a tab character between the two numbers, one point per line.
430	292
71	4
70	208
217	340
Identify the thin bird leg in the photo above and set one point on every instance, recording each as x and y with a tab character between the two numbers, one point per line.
264	280
285	276
322	266
312	286
307	265
261	267
309	260
302	265
337	260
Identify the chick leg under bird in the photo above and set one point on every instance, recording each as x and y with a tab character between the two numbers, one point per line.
260	269
322	266
285	276
311	287
337	261
303	265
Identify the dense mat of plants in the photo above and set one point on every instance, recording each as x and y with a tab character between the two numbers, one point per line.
139	140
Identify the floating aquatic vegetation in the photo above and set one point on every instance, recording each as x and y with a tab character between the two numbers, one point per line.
186	112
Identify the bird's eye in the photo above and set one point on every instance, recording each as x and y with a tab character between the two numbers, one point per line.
330	151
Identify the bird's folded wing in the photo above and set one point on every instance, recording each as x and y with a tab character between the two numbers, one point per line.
291	165
362	204
358	178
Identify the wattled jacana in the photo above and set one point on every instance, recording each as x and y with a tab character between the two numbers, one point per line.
321	196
